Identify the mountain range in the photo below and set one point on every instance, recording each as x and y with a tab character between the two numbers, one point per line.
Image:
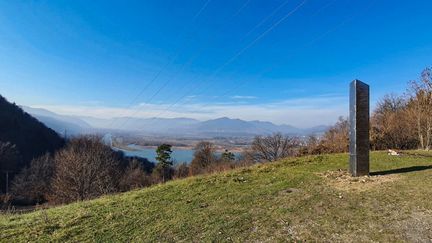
60	123
220	127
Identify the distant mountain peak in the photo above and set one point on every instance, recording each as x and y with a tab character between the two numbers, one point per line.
222	126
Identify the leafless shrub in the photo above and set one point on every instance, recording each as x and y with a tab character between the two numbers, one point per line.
33	183
85	169
272	148
336	139
134	177
204	156
181	171
310	146
420	108
11	161
392	126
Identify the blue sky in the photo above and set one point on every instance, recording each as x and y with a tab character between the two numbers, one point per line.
286	61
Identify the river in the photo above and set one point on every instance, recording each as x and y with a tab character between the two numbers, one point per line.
178	155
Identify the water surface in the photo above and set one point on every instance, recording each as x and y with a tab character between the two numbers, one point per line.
178	155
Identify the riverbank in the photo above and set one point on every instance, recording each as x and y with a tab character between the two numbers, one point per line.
183	154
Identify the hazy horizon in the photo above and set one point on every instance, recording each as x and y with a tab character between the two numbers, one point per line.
166	126
287	62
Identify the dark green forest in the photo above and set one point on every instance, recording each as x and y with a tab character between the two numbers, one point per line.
22	138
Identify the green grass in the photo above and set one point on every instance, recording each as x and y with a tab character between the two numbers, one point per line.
283	201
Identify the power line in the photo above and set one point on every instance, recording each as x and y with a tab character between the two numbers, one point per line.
266	18
201	10
233	58
162	87
166	83
343	22
164	67
241	8
239	53
319	37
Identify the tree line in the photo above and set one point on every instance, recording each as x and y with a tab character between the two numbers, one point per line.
85	168
22	138
398	122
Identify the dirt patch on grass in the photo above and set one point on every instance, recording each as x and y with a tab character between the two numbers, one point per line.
342	180
416	228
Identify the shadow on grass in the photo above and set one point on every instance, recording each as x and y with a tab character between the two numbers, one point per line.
402	170
417	154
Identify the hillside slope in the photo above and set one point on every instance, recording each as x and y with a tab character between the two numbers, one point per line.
60	123
31	136
302	198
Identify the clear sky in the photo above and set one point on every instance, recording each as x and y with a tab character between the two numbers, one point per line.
286	61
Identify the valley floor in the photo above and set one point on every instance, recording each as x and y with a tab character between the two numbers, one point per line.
307	198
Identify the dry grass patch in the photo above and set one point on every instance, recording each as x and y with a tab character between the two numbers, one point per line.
417	227
342	180
285	201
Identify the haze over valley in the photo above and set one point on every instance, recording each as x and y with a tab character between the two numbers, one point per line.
215	121
168	127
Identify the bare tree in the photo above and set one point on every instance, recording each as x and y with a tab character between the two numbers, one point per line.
85	169
420	107
33	183
310	145
181	171
274	147
336	140
11	161
391	125
204	156
134	176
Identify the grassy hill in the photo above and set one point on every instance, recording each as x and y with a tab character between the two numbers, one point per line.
308	198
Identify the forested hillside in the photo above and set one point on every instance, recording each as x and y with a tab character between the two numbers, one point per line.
22	138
